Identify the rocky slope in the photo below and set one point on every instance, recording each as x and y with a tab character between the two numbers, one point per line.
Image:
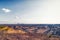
28	33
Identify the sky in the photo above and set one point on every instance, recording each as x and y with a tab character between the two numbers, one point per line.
30	11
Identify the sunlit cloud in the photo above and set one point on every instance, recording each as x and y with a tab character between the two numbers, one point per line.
6	10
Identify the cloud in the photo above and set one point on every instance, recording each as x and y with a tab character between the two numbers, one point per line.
17	17
6	10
